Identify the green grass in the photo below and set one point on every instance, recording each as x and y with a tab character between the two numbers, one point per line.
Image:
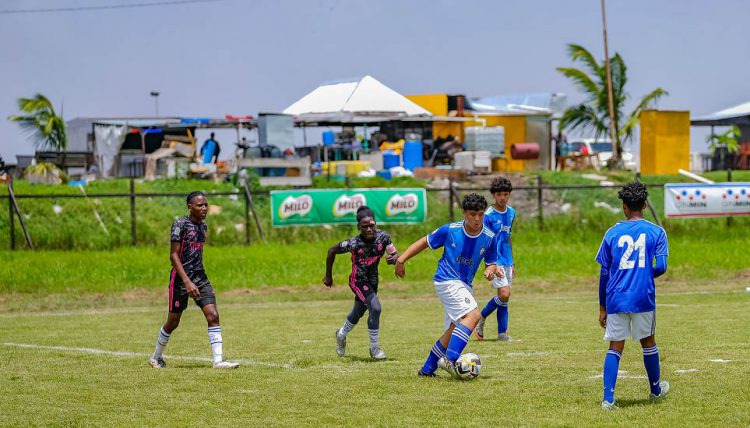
547	377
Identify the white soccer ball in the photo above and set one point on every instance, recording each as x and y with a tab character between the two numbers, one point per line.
468	366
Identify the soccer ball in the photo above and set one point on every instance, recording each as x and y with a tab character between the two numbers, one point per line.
468	366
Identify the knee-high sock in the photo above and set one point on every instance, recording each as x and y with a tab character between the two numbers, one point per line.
502	317
358	310
436	353
459	338
161	343
651	361
490	307
611	365
214	338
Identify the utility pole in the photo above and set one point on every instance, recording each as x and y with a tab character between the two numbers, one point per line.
612	135
155	94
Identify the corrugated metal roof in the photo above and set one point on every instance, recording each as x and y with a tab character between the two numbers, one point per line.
737	115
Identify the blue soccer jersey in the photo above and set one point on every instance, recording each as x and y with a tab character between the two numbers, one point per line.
462	252
501	223
627	252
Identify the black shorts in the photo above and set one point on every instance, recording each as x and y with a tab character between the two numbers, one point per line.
178	296
362	291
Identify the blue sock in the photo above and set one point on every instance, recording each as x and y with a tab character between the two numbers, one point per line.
502	317
458	341
611	365
651	361
437	352
490	307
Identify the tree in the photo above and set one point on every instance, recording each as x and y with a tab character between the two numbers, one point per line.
728	140
593	113
45	127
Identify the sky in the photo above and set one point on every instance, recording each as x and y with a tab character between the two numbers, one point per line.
242	57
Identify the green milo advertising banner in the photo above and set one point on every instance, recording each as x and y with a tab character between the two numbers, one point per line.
339	206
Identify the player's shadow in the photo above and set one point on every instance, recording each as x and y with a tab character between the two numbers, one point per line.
354	358
635	402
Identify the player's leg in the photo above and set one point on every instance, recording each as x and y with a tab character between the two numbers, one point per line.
436	353
351	320
644	328
207	303
503	294
178	300
373	326
616	331
495	303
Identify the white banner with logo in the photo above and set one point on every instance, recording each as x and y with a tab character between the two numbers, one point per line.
706	200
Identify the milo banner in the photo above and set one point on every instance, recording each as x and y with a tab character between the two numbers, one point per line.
706	200
339	206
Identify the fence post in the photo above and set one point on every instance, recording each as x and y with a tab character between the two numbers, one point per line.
10	216
729	179
540	208
132	213
247	218
450	199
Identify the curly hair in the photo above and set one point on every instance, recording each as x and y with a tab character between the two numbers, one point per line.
363	212
192	195
501	184
474	202
634	195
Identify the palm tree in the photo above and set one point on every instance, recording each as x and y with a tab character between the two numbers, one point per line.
593	113
38	118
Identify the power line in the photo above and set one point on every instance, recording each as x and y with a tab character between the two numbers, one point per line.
116	6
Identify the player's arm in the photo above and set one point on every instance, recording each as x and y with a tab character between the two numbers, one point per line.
661	266
330	258
603	279
410	252
391	254
174	257
491	259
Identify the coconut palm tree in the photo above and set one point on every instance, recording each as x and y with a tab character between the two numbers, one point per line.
593	113
45	127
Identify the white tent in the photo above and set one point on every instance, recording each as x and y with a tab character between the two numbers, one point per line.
354	100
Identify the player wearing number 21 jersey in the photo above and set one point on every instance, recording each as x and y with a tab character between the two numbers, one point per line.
627	295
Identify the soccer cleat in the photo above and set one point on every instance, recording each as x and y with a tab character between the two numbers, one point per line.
606	405
448	365
158	363
340	344
377	354
420	373
503	337
479	330
664	385
226	365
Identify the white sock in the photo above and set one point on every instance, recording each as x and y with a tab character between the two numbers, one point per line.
346	328
161	343
374	338
214	338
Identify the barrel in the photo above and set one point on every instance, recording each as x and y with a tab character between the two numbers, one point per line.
391	160
412	155
328	138
524	151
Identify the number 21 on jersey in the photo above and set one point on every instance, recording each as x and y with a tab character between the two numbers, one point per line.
639	245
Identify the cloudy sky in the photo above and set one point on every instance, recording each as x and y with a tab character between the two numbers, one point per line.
244	56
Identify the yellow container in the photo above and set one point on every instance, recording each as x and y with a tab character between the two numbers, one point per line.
348	168
665	141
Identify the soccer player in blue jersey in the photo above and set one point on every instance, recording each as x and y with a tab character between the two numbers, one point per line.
465	244
366	248
627	297
188	280
499	218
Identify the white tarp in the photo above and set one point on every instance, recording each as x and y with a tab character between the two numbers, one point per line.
109	139
706	200
358	97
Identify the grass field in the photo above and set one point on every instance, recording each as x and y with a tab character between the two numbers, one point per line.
70	366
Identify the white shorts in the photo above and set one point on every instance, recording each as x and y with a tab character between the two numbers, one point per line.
456	297
505	281
636	325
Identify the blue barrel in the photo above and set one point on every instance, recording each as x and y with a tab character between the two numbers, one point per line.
390	159
412	155
328	138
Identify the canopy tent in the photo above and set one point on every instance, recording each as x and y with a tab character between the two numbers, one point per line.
737	115
553	104
364	100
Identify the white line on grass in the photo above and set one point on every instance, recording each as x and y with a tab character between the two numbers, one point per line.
138	355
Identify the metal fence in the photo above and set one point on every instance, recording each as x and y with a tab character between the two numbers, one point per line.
534	198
